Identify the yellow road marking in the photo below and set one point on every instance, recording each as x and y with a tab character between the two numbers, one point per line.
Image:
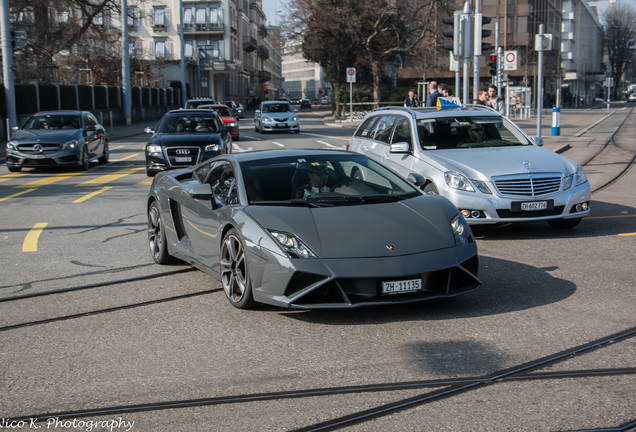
50	180
610	217
110	177
12	175
91	195
127	157
31	240
146	182
16	194
628	234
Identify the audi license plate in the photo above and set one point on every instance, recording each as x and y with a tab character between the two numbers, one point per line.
400	287
182	159
534	206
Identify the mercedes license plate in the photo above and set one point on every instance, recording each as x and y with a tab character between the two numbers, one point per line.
534	206
40	156
182	159
403	286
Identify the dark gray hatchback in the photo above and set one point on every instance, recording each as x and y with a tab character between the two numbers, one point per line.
57	138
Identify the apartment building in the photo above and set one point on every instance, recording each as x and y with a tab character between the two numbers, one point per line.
302	78
228	49
573	64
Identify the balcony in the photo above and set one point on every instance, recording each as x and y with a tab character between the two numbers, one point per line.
209	28
249	44
263	52
264	76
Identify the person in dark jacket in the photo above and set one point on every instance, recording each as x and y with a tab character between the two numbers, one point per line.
411	101
431	100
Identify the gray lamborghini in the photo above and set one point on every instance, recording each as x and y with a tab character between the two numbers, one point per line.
310	229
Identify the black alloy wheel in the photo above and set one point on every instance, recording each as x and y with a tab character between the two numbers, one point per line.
234	272
157	236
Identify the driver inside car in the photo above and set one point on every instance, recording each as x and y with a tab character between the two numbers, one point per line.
318	175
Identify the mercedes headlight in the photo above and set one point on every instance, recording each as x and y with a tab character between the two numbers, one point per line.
12	145
71	145
459	181
578	178
291	244
462	232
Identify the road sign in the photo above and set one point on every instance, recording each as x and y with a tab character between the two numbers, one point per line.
510	60
351	75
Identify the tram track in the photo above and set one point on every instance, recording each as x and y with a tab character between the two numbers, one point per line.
443	389
611	140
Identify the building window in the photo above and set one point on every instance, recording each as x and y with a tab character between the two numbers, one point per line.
200	16
134	15
160	17
187	16
188	49
214	16
63	17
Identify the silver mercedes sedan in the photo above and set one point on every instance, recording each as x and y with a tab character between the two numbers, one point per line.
478	159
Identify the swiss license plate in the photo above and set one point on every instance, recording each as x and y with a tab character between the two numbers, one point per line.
40	156
534	205
281	124
182	159
403	286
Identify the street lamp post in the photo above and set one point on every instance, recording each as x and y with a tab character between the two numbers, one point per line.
7	67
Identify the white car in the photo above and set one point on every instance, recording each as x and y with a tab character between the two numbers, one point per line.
478	159
276	116
631	98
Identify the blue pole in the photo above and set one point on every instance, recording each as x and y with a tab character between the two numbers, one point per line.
556	121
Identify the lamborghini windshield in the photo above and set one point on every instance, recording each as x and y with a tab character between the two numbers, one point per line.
345	178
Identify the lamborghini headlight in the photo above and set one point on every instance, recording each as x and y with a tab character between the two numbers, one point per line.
462	232
292	245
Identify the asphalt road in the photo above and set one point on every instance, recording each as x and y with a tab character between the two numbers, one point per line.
547	344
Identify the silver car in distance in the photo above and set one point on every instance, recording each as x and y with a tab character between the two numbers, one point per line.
310	229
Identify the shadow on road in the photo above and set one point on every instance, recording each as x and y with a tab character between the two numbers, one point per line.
507	287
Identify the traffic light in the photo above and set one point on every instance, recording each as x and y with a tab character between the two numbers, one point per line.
480	34
452	33
462	33
492	62
265	90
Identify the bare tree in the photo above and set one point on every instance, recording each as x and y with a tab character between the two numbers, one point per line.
63	34
361	33
619	39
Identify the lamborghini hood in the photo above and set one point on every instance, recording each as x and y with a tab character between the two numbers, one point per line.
366	230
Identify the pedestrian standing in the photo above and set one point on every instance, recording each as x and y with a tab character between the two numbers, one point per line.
433	94
411	101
